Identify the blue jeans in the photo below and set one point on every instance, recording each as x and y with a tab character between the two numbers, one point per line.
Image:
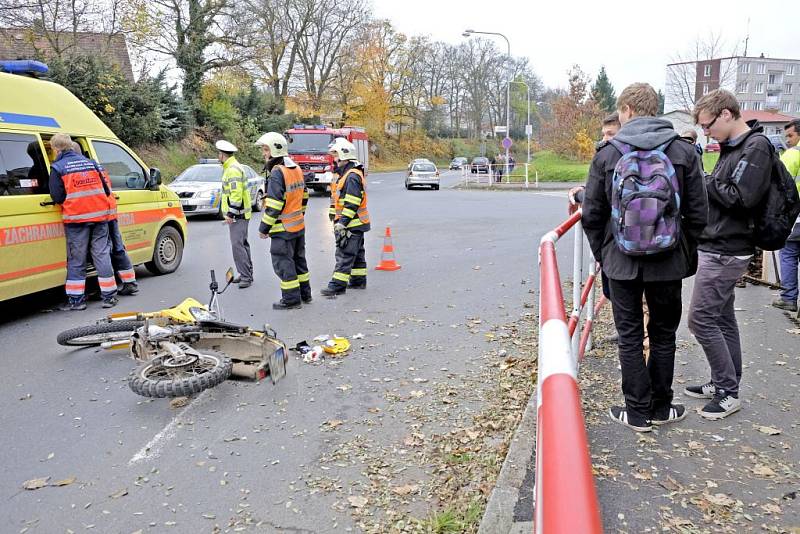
790	257
83	238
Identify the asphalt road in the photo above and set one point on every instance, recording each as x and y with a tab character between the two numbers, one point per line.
241	454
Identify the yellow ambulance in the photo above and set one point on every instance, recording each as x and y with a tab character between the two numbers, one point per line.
32	244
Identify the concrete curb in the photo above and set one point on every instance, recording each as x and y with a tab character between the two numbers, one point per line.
543	186
499	515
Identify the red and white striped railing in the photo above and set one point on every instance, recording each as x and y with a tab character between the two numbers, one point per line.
565	497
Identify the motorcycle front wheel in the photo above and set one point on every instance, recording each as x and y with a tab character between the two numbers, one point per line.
97	334
157	378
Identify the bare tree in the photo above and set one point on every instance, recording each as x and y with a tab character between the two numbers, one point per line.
332	23
198	35
273	30
58	22
681	85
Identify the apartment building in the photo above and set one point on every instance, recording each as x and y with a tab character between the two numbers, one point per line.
759	83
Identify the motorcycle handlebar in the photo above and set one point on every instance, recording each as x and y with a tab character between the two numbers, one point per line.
213	277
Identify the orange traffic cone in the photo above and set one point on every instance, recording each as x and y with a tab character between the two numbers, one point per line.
387	254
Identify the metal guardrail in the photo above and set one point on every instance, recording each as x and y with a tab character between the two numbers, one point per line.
565	495
496	174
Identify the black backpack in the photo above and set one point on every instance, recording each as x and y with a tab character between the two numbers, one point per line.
779	208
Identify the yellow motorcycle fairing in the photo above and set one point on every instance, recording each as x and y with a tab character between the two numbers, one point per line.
180	313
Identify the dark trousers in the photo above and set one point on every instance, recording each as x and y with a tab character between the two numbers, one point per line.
647	386
289	262
84	239
351	263
119	256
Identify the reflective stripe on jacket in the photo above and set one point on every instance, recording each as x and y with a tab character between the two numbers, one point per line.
236	201
350	199
87	195
285	202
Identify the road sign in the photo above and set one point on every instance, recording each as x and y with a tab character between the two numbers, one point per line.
499	129
507	143
528	129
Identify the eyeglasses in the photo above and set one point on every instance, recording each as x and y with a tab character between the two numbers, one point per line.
710	124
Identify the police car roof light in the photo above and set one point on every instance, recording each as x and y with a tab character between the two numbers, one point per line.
23	66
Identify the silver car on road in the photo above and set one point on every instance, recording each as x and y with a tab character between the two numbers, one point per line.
200	188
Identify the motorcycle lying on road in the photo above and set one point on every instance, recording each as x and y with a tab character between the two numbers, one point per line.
187	348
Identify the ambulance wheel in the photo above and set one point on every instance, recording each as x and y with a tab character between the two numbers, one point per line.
168	252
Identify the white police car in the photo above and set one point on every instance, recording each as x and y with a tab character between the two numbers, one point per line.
200	187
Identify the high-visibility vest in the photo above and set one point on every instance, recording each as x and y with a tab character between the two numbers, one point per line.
291	218
86	199
361	216
235	194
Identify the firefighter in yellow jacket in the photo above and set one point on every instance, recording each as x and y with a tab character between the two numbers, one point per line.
350	220
284	221
236	208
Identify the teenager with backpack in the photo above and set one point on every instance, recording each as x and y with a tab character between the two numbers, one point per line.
745	211
644	207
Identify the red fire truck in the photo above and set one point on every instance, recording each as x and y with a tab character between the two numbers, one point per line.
308	147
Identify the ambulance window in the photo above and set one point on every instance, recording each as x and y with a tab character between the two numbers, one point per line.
22	167
125	172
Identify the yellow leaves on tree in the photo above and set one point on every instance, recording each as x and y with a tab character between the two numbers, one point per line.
576	120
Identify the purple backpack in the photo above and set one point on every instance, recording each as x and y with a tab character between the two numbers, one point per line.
645	201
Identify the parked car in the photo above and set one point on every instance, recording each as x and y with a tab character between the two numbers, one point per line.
778	142
712	146
200	188
424	173
480	165
457	163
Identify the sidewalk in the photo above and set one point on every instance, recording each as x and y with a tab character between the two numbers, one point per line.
516	186
741	474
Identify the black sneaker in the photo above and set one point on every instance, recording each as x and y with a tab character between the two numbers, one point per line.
706	391
676	413
128	288
244	284
620	415
283	305
333	291
73	306
722	405
110	302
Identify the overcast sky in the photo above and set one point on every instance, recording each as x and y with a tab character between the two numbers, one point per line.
554	35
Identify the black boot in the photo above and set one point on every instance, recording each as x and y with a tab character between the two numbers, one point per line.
332	291
357	285
283	305
307	299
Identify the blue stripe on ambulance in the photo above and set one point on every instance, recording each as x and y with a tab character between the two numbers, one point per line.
29	120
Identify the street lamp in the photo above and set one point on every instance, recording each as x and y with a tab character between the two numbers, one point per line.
528	129
468	33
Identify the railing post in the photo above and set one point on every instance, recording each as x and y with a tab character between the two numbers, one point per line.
577	277
590	301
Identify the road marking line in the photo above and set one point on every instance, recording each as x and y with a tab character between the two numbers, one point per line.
153	447
376	182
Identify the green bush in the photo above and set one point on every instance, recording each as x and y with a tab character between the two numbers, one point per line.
146	111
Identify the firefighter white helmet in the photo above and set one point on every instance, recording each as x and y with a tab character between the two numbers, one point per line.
343	149
225	146
278	146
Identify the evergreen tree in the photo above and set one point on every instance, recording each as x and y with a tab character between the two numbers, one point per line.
603	92
660	102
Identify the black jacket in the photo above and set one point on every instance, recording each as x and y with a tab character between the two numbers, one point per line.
645	133
736	187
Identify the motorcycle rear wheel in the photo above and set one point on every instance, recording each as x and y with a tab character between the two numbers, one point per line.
154	379
97	334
